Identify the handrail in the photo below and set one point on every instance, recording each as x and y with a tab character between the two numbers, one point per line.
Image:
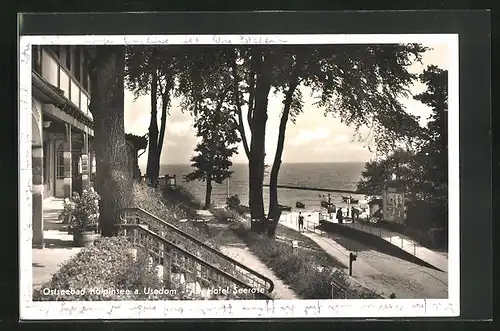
200	243
192	256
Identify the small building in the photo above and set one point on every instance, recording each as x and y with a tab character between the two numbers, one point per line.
374	204
134	145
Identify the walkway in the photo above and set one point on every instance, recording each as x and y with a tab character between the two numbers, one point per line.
235	248
437	259
58	244
405	243
380	272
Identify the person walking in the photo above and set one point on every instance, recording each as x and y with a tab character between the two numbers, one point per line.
339	215
301	222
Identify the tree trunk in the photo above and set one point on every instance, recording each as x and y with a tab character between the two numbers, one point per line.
163	123
107	106
208	194
274	211
257	150
153	134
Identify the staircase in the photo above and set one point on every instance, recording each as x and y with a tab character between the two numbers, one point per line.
181	259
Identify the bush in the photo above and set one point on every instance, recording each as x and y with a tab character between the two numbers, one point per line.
101	271
233	202
85	212
153	201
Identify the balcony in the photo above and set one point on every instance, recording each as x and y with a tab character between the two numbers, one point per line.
53	72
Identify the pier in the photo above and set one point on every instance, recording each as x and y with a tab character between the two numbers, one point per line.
316	189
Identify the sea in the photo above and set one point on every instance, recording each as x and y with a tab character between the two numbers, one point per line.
341	175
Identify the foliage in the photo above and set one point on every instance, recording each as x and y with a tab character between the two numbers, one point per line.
423	172
152	200
67	212
153	69
108	266
85	210
360	84
301	272
218	145
233	202
215	126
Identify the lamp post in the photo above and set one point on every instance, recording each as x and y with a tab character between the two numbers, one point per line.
352	258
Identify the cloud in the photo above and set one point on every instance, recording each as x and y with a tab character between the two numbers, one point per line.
341	138
307	136
181	128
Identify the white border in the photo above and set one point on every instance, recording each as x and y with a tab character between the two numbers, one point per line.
30	310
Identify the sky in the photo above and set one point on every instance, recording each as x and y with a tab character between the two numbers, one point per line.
313	138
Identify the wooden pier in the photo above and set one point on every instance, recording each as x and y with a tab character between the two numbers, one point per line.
316	189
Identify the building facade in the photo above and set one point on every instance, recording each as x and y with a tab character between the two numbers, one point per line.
63	160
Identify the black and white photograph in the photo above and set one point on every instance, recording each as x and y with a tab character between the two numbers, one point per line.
239	176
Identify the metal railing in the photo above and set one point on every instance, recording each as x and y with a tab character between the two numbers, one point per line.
138	216
394	238
176	260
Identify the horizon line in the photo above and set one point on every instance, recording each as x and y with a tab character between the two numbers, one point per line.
243	163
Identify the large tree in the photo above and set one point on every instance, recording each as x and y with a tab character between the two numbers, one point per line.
205	85
361	84
433	156
253	74
113	180
218	144
153	69
422	171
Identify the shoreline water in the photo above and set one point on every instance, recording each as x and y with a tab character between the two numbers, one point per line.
343	176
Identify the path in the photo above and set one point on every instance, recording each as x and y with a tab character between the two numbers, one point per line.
47	261
235	248
436	259
383	273
58	244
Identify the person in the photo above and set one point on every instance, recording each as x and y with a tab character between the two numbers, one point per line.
354	214
339	215
301	222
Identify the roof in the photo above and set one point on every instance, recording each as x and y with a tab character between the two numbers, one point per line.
374	199
138	141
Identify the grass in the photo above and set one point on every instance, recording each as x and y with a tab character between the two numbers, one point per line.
309	272
172	206
307	246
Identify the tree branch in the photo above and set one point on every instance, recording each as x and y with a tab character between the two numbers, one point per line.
236	83
251	94
164	110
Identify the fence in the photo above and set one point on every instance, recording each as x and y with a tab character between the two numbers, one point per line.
394	238
311	224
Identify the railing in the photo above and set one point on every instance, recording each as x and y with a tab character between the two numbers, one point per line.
138	216
396	239
186	272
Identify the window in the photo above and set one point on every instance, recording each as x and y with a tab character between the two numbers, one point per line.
60	162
